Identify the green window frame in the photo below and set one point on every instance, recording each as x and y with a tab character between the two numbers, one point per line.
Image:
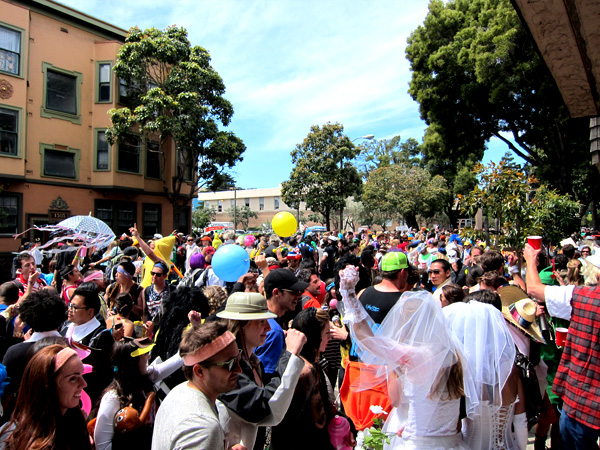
104	82
102	151
11	213
11	56
59	162
11	132
129	154
53	99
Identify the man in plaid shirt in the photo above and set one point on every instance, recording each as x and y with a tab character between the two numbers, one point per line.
577	380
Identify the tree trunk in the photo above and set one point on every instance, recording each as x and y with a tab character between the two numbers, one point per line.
411	220
327	217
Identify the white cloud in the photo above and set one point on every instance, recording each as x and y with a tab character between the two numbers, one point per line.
289	64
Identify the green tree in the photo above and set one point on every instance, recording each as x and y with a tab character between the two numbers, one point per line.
477	74
521	205
221	182
323	175
202	216
242	215
402	192
174	93
384	152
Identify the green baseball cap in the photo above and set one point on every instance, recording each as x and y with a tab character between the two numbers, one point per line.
394	261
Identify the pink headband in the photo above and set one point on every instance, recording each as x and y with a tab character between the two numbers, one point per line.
98	275
206	351
62	357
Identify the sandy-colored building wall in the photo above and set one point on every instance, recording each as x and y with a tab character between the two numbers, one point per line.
265	202
57	39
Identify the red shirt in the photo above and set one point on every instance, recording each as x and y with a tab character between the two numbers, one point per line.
312	301
39	284
577	379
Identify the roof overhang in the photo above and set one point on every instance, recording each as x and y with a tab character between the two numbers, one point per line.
567	33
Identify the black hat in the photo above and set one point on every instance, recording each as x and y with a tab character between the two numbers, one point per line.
131	251
283	279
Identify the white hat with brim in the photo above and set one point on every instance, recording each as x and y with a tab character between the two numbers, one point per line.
594	260
246	306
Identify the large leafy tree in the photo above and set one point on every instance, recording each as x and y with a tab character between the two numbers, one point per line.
323	175
174	93
201	217
477	75
521	205
241	215
403	192
384	152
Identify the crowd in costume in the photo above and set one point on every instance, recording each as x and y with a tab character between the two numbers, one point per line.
422	339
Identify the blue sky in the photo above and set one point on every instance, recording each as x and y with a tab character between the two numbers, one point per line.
290	64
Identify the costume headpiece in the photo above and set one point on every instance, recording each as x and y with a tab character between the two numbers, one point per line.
209	350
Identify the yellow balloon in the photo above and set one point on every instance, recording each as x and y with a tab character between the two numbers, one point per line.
284	224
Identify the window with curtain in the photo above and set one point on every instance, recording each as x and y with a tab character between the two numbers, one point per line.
10	50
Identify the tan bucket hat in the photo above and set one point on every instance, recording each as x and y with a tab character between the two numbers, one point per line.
246	306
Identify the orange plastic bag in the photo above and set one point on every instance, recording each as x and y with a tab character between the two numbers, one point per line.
357	402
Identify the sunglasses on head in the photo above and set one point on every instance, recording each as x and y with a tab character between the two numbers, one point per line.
229	365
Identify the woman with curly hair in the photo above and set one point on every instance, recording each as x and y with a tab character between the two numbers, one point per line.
217	296
47	413
132	387
175	320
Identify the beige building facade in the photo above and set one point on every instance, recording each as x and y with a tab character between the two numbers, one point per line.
56	88
265	202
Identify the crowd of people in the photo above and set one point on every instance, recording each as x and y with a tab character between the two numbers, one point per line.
421	339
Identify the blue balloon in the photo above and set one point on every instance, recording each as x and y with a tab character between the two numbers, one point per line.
230	262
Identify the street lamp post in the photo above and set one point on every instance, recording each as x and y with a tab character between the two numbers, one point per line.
368	137
234	207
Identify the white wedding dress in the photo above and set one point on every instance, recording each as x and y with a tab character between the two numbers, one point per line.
414	344
491	429
428	425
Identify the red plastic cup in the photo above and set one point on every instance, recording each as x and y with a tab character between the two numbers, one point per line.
535	241
561	336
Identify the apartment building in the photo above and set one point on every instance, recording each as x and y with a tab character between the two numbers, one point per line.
265	202
56	87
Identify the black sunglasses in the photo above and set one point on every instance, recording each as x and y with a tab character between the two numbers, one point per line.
156	274
293	292
229	365
437	272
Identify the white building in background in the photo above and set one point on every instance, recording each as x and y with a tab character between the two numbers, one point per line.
265	202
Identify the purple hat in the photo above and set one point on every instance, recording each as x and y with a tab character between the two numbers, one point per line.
197	261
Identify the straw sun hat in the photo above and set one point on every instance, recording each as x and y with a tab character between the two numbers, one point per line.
519	310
